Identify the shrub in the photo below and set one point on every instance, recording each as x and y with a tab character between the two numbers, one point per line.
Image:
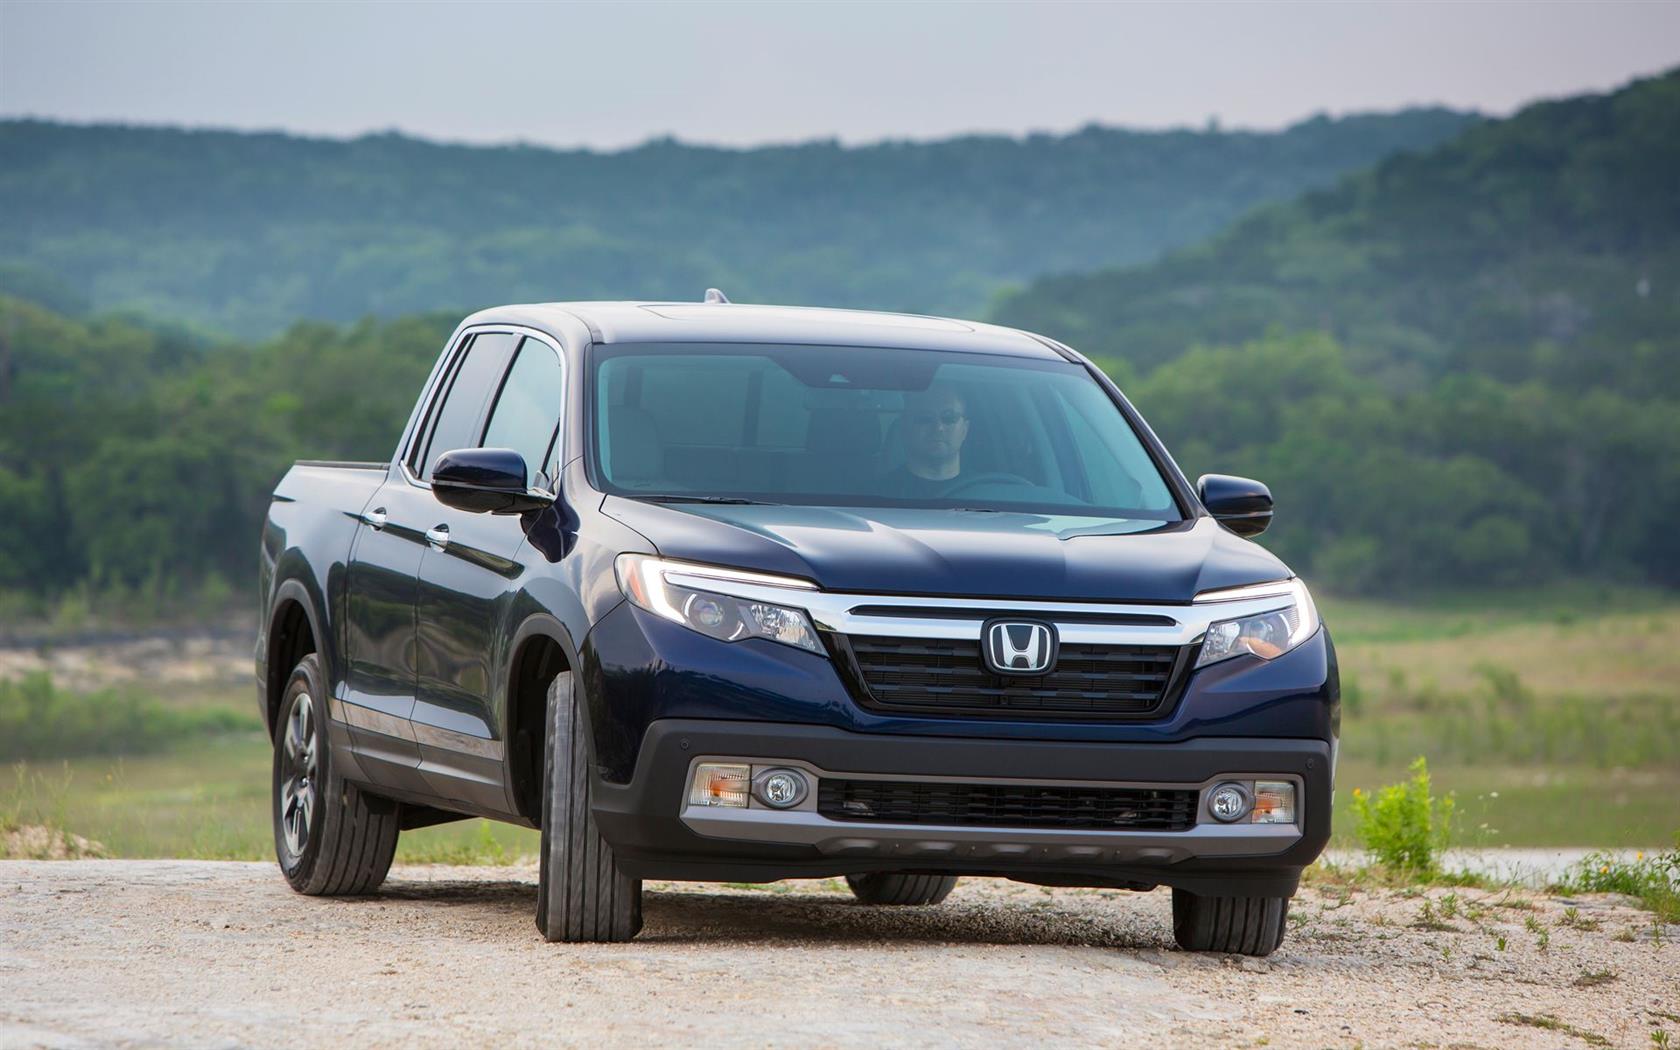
1404	826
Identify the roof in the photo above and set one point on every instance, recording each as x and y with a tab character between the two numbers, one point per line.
690	322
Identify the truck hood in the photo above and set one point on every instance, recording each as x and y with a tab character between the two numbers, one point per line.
958	553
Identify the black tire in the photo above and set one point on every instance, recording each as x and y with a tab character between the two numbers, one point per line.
581	894
331	838
895	887
1239	925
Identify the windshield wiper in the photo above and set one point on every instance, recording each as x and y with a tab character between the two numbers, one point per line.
730	500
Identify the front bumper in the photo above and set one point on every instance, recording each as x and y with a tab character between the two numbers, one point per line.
656	834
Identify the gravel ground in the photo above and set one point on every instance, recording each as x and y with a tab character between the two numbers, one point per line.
216	954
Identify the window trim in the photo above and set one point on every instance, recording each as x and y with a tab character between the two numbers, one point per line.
422	430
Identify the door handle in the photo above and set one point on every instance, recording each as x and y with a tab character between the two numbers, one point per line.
375	519
438	536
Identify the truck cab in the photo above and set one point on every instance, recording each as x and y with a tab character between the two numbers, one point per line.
709	591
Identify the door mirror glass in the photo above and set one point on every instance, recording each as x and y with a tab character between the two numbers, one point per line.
485	480
1240	504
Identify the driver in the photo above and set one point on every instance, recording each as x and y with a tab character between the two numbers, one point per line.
935	425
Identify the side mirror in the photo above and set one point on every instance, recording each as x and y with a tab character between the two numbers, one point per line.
1240	504
485	480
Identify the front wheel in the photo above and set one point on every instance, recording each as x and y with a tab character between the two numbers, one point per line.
581	894
1239	925
331	838
898	887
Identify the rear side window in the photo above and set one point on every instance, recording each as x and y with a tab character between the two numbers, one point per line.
470	387
527	412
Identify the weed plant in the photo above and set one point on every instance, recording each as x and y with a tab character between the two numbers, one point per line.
1653	881
1403	826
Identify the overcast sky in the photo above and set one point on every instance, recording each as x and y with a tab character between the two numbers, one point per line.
747	73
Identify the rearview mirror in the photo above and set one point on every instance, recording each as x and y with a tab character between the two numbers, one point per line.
1240	504
485	480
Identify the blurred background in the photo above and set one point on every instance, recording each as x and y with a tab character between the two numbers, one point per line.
1415	266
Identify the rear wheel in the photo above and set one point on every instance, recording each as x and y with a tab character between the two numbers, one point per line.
1240	925
581	894
898	887
330	837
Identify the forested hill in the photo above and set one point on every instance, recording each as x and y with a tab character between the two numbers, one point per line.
1462	366
247	233
1545	245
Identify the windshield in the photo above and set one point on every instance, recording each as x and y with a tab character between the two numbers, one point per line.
871	427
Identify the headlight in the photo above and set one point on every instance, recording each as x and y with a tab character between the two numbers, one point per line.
1266	634
647	582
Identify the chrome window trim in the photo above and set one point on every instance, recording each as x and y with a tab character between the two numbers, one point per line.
461	338
834	611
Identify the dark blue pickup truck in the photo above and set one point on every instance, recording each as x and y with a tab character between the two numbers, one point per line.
723	592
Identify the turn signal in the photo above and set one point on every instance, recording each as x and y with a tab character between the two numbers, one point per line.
720	784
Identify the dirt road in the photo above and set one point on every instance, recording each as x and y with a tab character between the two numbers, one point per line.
211	953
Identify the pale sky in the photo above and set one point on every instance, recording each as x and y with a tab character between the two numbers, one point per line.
611	75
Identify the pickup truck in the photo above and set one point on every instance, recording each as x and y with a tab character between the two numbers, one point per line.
708	591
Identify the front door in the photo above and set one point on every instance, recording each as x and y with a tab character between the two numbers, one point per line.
470	572
382	584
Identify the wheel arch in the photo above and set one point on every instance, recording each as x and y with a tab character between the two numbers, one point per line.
541	649
294	631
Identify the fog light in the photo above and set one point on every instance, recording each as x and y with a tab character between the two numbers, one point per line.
1228	802
780	788
720	784
1274	802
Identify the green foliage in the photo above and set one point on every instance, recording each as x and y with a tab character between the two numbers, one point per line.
1467	482
138	462
38	720
1404	826
246	233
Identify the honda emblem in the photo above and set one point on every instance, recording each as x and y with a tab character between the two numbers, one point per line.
1019	646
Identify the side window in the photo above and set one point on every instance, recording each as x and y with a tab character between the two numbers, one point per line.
469	389
527	413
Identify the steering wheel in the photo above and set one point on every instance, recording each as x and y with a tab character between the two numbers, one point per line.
995	477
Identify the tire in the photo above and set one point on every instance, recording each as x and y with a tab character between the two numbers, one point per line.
331	838
897	887
1238	925
581	894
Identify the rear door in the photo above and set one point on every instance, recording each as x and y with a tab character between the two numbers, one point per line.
469	573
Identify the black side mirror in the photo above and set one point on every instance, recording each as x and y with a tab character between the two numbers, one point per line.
1242	505
485	480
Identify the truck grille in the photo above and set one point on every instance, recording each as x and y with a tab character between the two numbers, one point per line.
1007	805
948	676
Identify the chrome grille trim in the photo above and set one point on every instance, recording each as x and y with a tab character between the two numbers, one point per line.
1077	623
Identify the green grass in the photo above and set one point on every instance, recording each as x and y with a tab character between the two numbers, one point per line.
38	719
1553	716
1462	614
207	800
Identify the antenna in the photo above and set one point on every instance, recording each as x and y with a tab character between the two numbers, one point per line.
714	295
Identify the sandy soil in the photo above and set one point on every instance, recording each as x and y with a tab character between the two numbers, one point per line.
214	954
154	660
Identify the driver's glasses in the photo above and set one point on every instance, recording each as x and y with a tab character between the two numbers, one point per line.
950	417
